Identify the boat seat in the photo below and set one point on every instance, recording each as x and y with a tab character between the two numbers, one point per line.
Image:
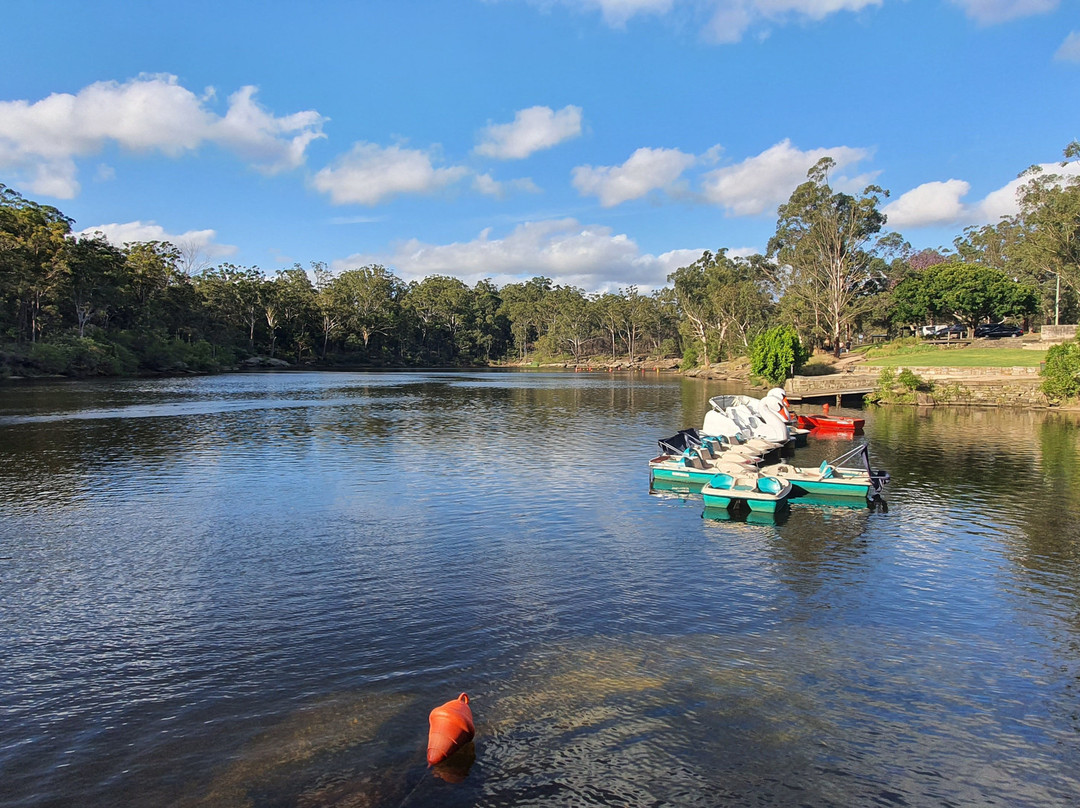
722	481
770	485
693	461
826	470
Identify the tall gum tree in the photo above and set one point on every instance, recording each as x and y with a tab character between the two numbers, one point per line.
827	239
1050	210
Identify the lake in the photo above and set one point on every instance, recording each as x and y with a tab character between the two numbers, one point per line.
251	589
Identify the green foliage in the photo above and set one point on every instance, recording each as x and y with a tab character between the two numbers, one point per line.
690	356
964	292
897	388
1061	374
80	356
724	303
776	353
909	380
826	243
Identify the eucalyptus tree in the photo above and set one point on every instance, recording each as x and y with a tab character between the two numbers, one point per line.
152	266
827	240
33	265
664	332
441	307
95	269
611	311
329	313
691	291
488	333
232	295
575	319
724	300
525	308
1050	210
295	299
370	297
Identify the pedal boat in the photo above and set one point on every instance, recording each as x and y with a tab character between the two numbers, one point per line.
761	492
698	466
832	479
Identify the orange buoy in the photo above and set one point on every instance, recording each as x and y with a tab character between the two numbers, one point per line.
825	408
451	728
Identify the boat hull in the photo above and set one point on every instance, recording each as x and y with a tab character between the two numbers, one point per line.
746	490
845	484
831	423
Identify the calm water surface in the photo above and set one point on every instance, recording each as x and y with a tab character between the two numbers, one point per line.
250	590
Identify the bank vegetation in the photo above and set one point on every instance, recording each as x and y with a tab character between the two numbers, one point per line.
832	276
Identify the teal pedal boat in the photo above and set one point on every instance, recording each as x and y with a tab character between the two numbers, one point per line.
696	465
761	492
833	478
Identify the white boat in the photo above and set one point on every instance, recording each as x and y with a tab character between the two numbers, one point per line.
761	492
734	418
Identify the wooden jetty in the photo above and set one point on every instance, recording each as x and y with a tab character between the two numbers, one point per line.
801	388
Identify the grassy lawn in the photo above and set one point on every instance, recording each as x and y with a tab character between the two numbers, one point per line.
935	356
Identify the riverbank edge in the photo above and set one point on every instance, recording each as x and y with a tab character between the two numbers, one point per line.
977	387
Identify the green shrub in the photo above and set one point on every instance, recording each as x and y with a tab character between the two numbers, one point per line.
50	357
668	348
776	353
82	356
1061	372
909	380
689	356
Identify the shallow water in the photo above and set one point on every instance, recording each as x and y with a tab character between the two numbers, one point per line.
251	589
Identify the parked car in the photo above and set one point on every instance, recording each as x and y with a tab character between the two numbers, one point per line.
943	331
998	330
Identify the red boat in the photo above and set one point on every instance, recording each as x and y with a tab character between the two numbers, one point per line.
831	423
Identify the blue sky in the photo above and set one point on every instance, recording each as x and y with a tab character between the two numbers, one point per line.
600	143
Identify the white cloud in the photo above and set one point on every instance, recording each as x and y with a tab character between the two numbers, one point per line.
1003	201
761	183
929	204
532	130
994	11
726	21
489	186
617	12
40	141
369	174
592	257
123	233
940	203
646	170
1070	48
258	136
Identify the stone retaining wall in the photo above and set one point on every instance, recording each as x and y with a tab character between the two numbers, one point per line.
987	387
1057	333
967	373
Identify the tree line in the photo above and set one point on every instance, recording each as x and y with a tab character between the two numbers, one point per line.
81	305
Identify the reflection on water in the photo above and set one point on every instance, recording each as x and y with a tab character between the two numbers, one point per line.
251	590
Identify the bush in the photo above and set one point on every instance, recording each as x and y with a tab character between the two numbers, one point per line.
668	348
690	356
898	388
909	380
776	353
1061	372
81	356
